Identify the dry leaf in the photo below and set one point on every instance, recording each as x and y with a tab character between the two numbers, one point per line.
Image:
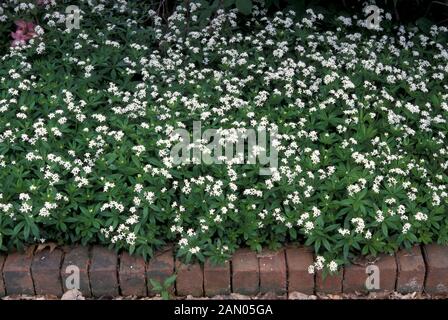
73	294
50	245
29	251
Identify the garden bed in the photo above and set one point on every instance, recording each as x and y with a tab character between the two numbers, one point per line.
89	118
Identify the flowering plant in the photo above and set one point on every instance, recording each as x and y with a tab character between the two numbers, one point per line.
24	32
88	115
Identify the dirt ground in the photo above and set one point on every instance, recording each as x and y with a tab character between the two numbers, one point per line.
75	295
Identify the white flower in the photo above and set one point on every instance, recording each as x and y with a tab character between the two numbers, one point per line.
194	250
138	149
311	269
359	223
368	235
406	227
333	266
420	216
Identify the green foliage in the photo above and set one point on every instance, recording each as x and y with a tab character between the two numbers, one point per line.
87	120
163	289
244	6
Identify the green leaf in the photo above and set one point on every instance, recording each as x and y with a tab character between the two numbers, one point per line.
346	250
156	286
424	24
326	244
244	6
165	295
228	3
170	280
385	230
292	233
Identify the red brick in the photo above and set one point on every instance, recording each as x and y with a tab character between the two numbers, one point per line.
45	270
189	280
2	285
77	256
103	272
272	272
387	266
17	273
216	279
132	275
354	278
411	270
437	264
245	272
331	283
159	268
299	279
355	275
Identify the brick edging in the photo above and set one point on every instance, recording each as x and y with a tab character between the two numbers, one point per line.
104	273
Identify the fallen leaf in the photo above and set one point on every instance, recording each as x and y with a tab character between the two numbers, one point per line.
73	294
301	296
29	251
50	245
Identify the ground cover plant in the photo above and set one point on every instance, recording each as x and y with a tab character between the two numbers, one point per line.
88	115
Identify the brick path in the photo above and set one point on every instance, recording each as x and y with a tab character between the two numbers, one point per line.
104	273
